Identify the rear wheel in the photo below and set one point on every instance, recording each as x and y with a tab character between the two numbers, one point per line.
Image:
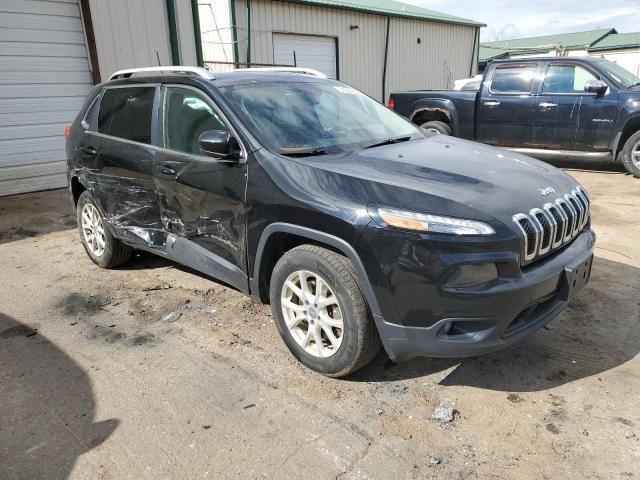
321	313
631	155
103	248
437	127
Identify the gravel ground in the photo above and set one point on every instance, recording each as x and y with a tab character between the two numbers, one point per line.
151	371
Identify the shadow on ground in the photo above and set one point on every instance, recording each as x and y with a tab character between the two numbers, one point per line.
46	406
33	214
599	331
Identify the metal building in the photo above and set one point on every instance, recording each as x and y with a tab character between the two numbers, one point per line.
375	45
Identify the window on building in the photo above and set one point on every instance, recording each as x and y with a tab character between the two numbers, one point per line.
566	79
187	114
513	79
126	113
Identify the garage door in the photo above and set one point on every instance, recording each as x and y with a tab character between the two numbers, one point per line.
318	53
44	77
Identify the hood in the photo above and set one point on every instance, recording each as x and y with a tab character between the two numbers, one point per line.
432	175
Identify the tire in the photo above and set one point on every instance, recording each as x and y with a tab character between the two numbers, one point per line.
113	252
630	154
436	126
358	339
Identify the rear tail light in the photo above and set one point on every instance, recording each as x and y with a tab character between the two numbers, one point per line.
67	131
391	104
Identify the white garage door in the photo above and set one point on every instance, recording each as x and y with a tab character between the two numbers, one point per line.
318	53
44	77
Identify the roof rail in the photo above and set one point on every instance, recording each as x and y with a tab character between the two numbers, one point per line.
302	70
199	71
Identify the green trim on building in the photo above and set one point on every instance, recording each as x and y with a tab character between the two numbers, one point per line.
234	33
197	34
618	41
173	32
389	8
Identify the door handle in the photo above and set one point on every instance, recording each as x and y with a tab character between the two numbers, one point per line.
166	170
92	152
548	105
491	104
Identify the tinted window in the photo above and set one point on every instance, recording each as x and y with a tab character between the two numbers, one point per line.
186	115
126	113
566	79
513	79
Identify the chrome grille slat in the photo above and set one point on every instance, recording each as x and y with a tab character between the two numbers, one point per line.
554	225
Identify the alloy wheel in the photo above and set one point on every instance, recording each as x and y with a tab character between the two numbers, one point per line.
93	229
312	313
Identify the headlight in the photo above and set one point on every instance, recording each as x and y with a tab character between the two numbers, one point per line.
421	222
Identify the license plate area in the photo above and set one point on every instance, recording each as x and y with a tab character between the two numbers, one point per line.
575	278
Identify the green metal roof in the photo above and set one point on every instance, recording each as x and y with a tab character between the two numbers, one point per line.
391	8
533	45
617	41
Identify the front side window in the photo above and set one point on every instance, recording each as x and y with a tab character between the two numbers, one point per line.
513	79
295	117
566	79
126	113
187	114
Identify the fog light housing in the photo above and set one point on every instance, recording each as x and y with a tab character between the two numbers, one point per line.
472	275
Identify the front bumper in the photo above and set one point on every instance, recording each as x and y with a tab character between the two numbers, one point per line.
503	315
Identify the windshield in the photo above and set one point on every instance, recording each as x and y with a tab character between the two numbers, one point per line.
317	117
621	76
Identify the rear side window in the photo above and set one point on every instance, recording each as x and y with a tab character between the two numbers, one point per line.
187	114
126	113
513	79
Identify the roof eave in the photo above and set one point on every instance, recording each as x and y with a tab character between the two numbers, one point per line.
373	11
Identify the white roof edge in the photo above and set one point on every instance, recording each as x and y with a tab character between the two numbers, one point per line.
201	72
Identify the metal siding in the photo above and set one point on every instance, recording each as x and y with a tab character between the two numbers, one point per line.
216	30
186	36
443	55
129	33
43	81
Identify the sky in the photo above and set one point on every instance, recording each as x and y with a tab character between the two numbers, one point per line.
517	18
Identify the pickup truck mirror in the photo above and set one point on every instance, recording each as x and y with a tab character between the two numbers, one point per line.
219	144
595	86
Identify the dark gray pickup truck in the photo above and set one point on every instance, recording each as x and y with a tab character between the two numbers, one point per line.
545	107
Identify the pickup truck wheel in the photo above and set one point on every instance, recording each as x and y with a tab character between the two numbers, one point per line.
103	248
436	126
631	155
320	312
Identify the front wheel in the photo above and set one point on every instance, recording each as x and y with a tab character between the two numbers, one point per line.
103	248
320	312
631	155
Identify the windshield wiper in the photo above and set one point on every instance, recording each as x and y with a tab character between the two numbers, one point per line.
634	85
305	153
389	141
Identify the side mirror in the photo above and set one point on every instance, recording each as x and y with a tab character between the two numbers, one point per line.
219	144
596	86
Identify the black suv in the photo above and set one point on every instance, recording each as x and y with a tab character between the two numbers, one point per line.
359	228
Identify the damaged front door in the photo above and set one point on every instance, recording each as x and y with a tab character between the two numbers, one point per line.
202	199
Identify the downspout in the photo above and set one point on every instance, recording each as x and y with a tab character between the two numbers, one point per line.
173	32
384	68
234	33
473	52
197	33
248	33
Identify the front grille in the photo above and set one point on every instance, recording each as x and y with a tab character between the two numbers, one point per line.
552	226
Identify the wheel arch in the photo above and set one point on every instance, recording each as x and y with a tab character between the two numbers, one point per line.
270	249
631	126
439	109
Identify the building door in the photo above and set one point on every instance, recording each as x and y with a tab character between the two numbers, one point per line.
44	78
308	51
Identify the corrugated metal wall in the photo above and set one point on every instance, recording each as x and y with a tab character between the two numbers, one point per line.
135	33
216	30
443	55
44	77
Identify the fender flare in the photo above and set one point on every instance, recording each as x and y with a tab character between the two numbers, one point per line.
443	105
322	237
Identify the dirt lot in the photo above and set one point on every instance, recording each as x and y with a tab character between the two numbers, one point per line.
151	371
